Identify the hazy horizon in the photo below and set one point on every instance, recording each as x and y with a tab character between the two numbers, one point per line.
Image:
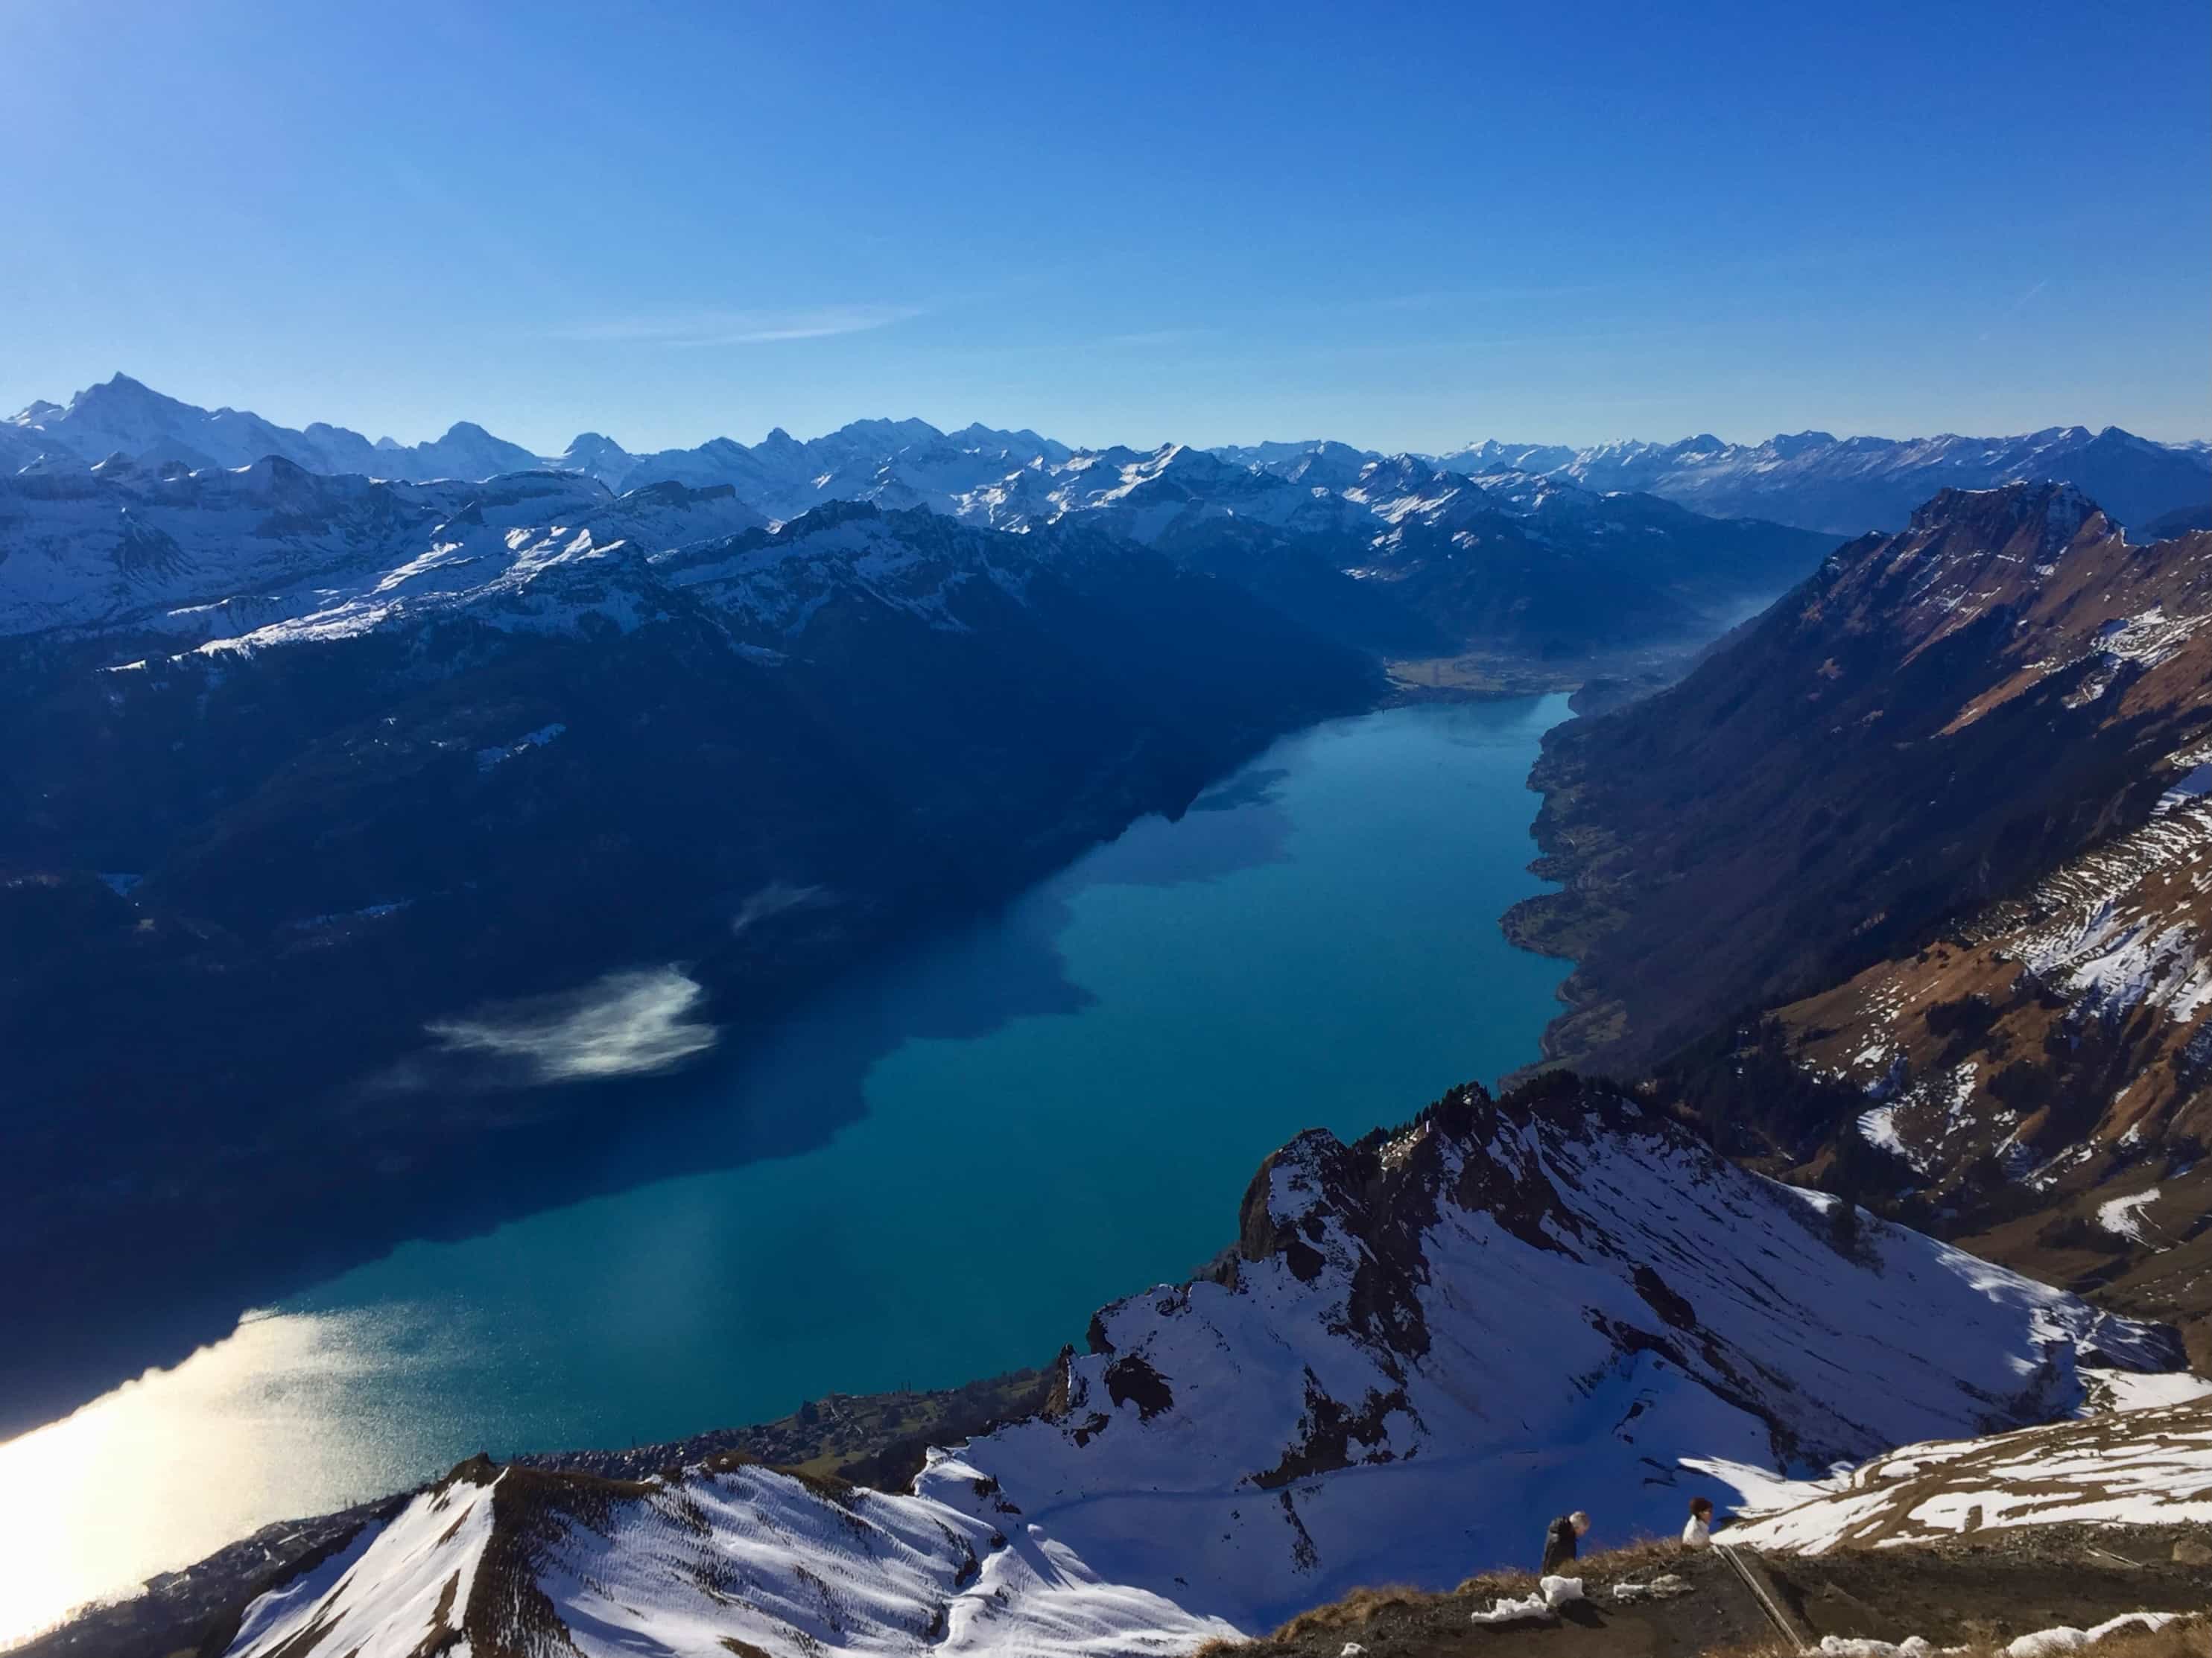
18	404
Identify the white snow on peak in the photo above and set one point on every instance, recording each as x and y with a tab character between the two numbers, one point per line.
228	555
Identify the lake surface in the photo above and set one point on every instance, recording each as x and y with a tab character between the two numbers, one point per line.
1063	1105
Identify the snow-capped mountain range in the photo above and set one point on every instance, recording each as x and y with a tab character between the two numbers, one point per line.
271	552
1391	554
1418	1343
1811	480
1848	485
122	417
894	463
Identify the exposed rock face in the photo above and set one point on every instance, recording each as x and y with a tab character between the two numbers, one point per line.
1935	720
1431	1339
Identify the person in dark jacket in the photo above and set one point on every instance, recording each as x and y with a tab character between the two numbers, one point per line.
1559	1540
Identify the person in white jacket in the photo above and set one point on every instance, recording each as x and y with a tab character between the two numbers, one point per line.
1699	1532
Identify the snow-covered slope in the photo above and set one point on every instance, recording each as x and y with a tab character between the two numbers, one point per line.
893	463
1420	1342
222	554
2147	1466
2103	970
1848	485
1152	496
730	1558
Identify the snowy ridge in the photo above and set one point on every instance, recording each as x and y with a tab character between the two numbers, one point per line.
121	417
1152	496
2149	1466
1810	479
270	551
1420	1340
1847	485
897	464
727	1554
275	552
269	556
893	463
770	584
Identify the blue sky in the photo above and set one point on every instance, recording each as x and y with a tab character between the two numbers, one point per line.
1404	226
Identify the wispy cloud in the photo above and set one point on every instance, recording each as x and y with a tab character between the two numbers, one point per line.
717	327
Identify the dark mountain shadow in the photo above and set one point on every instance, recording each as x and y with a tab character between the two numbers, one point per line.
779	1087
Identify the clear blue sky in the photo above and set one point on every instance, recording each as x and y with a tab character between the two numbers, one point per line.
1401	225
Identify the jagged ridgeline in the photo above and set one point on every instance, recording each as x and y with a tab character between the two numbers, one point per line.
1812	480
1420	1342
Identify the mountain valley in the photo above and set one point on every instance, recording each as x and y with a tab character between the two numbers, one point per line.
918	831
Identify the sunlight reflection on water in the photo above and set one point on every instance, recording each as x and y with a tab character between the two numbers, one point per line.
220	1436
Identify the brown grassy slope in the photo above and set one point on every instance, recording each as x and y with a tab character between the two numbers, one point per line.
1981	1593
1909	735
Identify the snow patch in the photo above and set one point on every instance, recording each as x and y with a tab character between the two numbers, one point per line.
2123	1216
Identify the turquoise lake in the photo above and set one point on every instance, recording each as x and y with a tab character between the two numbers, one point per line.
1063	1105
